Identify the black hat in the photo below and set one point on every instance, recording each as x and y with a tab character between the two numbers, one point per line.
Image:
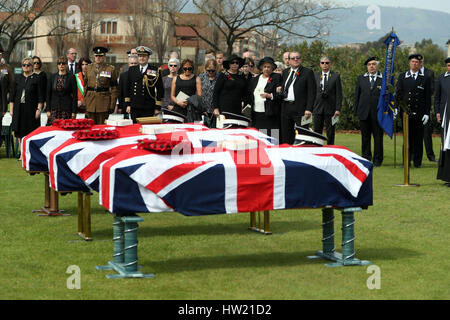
267	60
226	63
141	50
370	59
233	120
417	56
308	137
447	60
100	51
170	116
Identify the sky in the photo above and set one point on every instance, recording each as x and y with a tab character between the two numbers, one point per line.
437	5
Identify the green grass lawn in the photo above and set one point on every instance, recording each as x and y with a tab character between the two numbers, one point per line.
405	233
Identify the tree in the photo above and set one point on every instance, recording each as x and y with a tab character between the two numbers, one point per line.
232	19
19	16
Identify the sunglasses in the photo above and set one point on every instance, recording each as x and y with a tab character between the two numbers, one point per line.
36	62
324	62
188	69
211	71
295	58
173	65
234	62
26	65
61	63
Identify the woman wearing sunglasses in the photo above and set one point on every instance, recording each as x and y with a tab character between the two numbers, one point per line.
42	76
209	79
26	101
174	66
62	93
188	84
230	92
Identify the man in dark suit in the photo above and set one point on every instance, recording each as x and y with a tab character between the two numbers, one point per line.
132	61
327	105
442	88
428	130
72	65
414	90
298	91
368	88
143	87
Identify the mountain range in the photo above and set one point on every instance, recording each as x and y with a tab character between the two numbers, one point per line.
411	25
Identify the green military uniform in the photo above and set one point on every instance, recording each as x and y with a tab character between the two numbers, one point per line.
101	89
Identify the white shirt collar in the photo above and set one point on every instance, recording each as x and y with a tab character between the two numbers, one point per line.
447	74
378	74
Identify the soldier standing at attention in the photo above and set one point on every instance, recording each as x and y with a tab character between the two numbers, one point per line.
101	83
143	87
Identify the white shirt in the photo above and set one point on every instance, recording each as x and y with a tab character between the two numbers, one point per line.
142	68
259	102
322	82
291	95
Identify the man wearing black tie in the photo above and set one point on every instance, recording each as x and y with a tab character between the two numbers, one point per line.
414	90
298	92
73	66
143	87
368	88
328	100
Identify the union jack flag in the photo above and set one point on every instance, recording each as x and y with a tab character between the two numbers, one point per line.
214	181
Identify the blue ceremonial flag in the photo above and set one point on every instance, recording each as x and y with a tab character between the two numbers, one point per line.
386	103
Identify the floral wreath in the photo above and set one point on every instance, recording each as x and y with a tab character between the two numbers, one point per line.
165	146
73	124
96	134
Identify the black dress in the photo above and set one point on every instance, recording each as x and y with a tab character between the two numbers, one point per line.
189	87
62	96
229	93
24	113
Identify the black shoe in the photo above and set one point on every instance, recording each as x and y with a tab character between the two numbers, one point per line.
417	165
377	164
432	159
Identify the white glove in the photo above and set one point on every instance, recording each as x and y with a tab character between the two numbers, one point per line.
395	113
425	119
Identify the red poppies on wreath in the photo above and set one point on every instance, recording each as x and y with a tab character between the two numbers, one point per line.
73	124
96	134
165	146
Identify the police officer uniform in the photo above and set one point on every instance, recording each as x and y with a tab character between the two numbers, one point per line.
144	89
101	89
414	90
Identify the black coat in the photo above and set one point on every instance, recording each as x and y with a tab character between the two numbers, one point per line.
416	94
328	99
65	100
440	97
272	107
304	88
366	99
229	93
141	94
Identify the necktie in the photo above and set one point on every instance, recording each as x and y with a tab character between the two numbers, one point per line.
71	68
288	83
372	81
414	76
325	81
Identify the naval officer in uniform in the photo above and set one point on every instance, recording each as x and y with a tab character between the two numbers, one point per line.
414	90
144	89
101	82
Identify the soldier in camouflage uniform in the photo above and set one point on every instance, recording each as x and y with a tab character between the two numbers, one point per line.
101	87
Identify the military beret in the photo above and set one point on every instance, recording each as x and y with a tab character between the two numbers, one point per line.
100	51
144	50
370	59
417	56
447	60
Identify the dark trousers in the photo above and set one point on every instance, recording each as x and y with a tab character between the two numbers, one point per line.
415	132
371	127
324	119
428	140
141	113
98	117
289	117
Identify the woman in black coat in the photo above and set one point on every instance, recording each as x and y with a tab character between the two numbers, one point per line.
230	91
266	106
26	101
62	94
